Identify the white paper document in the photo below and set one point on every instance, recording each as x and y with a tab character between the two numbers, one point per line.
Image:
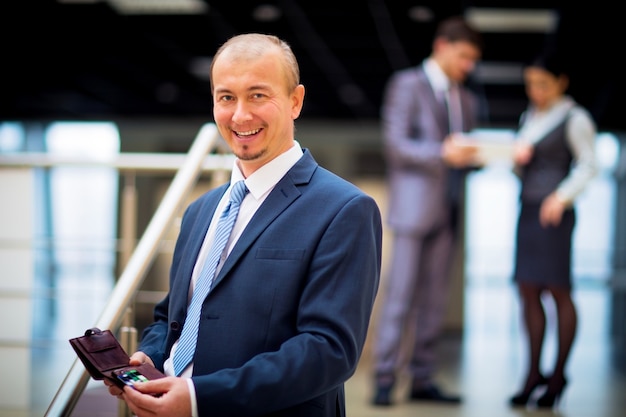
494	145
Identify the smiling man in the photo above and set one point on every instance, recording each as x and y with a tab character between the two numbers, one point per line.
284	323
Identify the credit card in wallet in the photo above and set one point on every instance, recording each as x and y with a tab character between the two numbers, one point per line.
130	376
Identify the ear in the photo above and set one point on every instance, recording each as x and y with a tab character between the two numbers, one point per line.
297	101
563	82
439	43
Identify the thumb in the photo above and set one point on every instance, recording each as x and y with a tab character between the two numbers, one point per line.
155	386
139	357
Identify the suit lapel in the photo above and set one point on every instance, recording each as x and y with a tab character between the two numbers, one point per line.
439	108
285	192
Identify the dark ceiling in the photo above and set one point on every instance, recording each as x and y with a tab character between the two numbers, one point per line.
67	60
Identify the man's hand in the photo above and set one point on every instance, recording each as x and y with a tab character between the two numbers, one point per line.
167	397
459	152
136	358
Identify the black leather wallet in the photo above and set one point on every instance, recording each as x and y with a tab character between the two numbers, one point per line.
104	357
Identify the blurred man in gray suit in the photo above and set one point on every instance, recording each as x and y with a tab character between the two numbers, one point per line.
425	109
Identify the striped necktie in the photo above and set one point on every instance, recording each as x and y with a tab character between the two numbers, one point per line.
187	342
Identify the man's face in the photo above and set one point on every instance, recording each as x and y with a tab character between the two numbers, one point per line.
458	59
252	108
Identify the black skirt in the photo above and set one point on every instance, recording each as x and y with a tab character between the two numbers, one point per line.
543	256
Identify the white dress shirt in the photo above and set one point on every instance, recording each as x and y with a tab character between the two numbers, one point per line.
259	185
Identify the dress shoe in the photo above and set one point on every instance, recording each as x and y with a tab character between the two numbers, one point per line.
433	394
382	396
522	398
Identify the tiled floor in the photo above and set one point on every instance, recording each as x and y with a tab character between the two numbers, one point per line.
485	364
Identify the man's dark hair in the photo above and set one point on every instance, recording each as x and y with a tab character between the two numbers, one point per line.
456	28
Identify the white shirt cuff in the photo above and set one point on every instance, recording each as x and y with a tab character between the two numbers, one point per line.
192	397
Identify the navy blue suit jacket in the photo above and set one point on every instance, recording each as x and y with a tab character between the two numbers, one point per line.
285	323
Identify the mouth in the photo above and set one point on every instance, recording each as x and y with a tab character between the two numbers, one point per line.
247	133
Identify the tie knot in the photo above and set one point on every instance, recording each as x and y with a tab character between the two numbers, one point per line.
238	192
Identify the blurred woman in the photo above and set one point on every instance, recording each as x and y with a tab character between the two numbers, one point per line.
555	159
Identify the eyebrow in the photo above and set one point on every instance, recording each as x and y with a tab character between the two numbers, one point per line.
252	88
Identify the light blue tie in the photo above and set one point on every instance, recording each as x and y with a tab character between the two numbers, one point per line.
187	342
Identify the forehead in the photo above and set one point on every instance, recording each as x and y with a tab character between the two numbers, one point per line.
240	66
465	48
539	74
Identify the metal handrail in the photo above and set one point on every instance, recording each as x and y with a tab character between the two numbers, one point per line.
142	257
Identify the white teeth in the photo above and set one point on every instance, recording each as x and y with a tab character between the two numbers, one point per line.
248	133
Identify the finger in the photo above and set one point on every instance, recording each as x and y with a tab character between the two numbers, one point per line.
544	220
130	400
115	391
142	404
155	386
137	358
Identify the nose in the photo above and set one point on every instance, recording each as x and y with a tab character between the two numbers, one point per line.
470	64
241	113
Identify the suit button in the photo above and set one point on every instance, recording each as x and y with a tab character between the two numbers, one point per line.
175	326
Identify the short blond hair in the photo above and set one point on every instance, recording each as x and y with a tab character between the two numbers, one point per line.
257	44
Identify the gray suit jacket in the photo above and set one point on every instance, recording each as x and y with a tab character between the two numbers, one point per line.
414	124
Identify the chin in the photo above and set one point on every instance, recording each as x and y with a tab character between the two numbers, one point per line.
248	154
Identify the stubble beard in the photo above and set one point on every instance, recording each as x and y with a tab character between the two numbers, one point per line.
244	155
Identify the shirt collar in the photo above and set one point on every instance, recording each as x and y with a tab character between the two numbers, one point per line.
538	124
266	177
437	78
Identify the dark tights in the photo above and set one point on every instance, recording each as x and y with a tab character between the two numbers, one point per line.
535	322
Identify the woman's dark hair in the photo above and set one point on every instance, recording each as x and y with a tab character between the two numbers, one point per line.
551	62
